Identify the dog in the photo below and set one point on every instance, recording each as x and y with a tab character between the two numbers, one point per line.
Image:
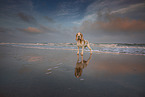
80	65
82	43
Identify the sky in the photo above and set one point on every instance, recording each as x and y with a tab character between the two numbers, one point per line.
58	21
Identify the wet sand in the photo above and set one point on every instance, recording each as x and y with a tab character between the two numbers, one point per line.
28	72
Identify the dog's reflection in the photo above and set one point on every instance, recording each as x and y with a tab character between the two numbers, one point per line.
80	65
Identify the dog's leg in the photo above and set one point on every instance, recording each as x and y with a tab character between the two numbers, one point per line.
88	45
82	50
82	59
77	58
78	51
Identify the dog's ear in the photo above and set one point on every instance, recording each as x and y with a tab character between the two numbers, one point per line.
82	38
76	36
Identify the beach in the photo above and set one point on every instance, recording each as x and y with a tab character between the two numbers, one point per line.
31	72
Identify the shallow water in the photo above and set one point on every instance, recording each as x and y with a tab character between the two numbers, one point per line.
115	48
28	72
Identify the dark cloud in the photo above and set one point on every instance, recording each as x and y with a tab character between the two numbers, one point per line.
50	20
26	18
7	34
6	30
16	5
3	30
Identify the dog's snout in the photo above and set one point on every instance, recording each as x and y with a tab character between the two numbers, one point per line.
79	36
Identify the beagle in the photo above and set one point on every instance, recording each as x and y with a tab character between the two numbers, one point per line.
82	43
80	65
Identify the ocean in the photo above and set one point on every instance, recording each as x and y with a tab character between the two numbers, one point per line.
114	48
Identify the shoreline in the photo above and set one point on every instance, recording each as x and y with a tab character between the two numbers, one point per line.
97	52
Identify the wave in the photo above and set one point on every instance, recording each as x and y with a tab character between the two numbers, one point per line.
114	48
119	45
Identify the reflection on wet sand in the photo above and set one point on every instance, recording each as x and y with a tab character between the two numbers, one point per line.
80	65
117	67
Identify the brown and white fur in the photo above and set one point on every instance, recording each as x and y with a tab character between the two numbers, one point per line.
82	43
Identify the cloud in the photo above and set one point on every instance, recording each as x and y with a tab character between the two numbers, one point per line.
8	34
71	9
50	20
26	18
47	29
15	6
6	30
42	29
3	30
100	19
121	25
132	7
117	7
91	17
32	30
101	5
115	25
109	28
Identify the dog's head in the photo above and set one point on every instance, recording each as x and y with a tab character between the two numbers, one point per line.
79	36
78	72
